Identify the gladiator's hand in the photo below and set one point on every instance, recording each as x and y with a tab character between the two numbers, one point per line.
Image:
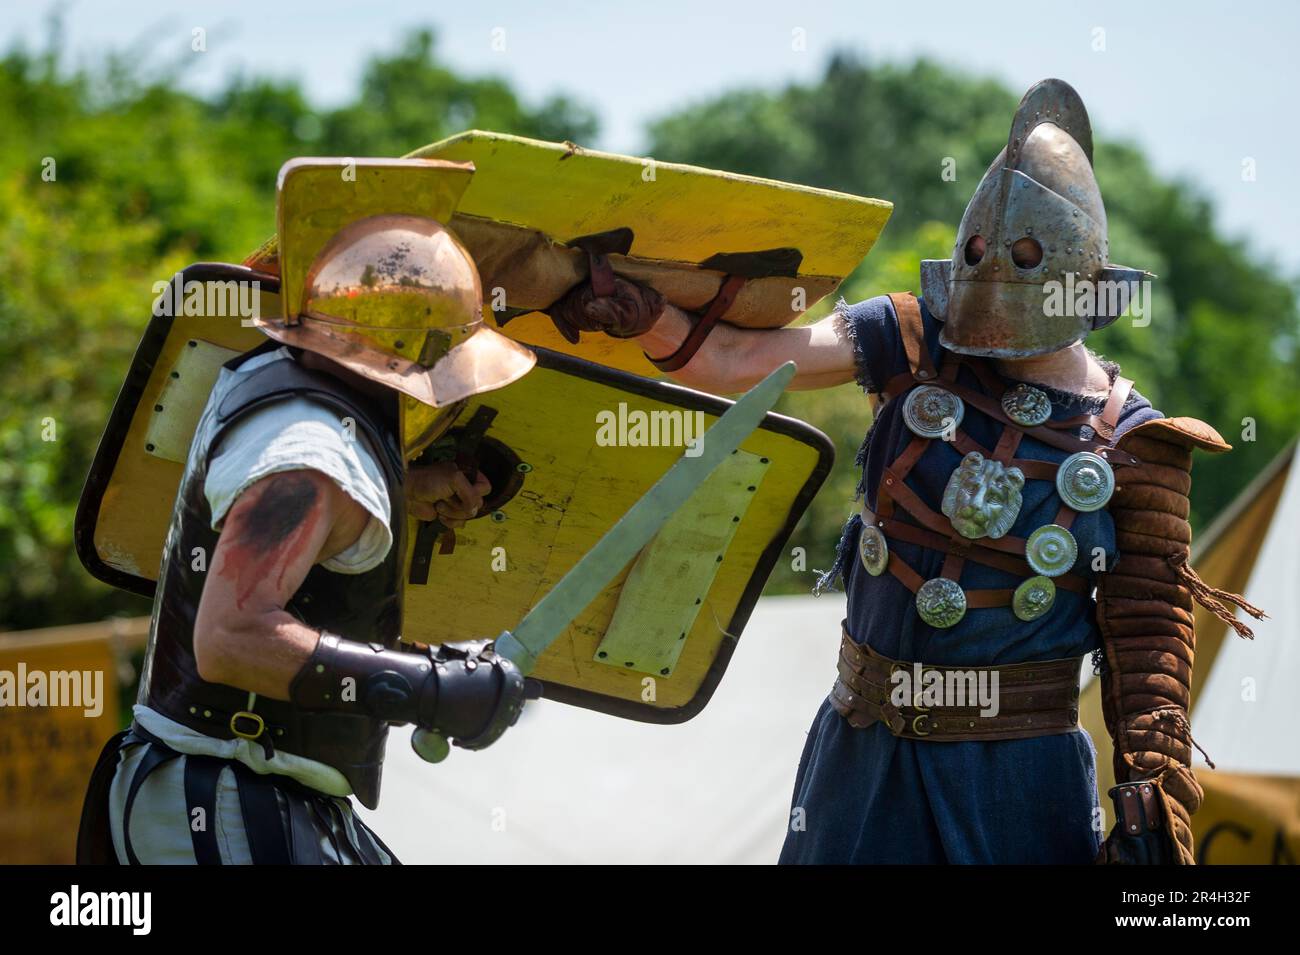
1139	836
477	695
629	312
463	692
442	492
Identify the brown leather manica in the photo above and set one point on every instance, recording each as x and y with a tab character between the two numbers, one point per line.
1144	612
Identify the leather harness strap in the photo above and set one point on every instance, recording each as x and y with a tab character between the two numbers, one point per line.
908	311
1032	469
1010	563
1048	435
1033	699
933	530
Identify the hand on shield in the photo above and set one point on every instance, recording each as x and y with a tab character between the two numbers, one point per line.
628	311
442	492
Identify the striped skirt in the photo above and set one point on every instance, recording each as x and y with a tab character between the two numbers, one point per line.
150	805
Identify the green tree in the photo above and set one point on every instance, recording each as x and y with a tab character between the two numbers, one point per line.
409	99
112	178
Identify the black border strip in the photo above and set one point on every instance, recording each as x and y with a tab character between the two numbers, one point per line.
146	357
119	423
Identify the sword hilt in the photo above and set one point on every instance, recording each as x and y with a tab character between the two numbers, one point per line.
510	648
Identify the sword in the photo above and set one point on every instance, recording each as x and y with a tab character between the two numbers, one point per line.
543	624
552	615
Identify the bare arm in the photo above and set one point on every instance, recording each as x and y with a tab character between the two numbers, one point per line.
733	359
274	533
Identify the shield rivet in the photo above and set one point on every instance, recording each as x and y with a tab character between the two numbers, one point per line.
930	411
1051	550
941	602
1085	481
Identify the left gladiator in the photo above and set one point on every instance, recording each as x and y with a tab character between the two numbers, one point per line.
275	664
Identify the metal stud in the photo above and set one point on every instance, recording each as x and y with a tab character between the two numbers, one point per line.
1051	550
941	602
930	411
1085	481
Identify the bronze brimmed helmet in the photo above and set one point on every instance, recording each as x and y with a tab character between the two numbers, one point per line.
1036	219
397	300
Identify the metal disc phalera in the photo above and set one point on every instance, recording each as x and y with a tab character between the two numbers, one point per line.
1033	598
1051	550
1085	481
1027	405
930	411
873	549
941	602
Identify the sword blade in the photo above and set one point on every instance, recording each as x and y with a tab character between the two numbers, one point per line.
589	576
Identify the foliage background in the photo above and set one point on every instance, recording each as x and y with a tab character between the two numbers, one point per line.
150	178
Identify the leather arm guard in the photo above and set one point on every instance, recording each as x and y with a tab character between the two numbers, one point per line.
463	691
1144	612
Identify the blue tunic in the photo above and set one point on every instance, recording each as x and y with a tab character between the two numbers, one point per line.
866	796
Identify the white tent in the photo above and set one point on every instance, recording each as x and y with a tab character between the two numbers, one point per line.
1245	714
570	785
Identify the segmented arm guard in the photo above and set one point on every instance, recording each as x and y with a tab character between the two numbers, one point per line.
1144	611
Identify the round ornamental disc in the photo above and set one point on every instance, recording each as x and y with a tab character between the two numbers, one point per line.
930	411
1085	481
873	549
1026	405
1033	598
941	602
1051	550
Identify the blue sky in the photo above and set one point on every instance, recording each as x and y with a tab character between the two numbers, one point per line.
1200	86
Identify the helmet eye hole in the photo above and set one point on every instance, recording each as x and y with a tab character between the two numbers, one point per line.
1026	252
975	247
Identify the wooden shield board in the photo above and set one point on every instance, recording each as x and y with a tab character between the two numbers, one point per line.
685	229
569	448
529	199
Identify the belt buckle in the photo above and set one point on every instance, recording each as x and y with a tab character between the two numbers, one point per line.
245	714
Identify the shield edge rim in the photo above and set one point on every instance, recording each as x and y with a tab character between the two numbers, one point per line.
141	370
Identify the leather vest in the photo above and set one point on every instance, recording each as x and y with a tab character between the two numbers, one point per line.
363	607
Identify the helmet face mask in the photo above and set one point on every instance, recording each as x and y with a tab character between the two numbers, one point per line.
1036	224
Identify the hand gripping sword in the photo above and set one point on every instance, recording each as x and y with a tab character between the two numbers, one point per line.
552	615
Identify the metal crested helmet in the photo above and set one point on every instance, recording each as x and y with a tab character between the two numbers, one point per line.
1029	272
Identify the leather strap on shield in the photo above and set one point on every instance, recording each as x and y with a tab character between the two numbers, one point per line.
738	268
723	301
599	248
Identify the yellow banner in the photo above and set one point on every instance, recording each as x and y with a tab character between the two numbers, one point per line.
58	705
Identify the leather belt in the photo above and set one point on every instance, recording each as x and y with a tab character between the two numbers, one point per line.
1033	699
